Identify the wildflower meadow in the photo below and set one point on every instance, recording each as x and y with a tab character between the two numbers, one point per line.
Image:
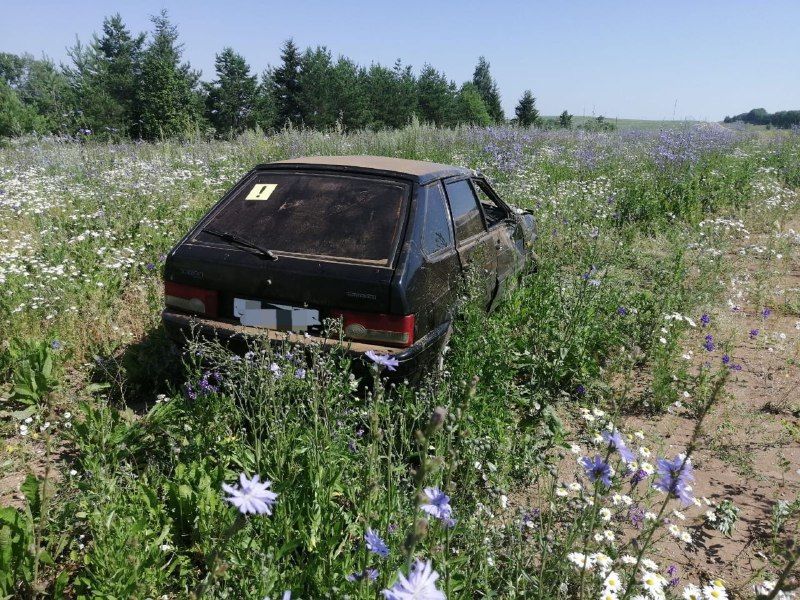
625	425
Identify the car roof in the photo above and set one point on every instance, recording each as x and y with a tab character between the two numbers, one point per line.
417	170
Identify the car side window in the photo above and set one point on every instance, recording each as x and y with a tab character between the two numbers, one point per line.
464	207
493	211
437	233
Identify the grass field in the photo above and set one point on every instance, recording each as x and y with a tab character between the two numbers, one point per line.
625	425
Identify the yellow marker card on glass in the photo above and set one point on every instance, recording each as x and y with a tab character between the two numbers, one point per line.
261	191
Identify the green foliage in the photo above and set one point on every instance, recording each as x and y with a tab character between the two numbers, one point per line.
34	375
392	95
436	97
526	112
17	118
285	87
783	119
231	99
470	107
487	88
43	91
16	541
105	78
167	99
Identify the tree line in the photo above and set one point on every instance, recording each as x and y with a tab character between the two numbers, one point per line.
783	119
125	85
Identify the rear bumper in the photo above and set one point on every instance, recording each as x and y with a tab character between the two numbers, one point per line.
411	360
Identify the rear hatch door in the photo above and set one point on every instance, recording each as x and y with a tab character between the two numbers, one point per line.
334	237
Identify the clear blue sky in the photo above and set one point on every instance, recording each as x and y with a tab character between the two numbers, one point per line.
632	58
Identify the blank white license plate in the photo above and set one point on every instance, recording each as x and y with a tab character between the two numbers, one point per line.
255	313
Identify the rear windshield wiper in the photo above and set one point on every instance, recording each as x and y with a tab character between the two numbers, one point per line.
235	239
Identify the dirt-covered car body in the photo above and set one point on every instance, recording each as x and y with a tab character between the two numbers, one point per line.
381	243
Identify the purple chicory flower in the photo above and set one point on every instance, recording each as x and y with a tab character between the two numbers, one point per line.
419	585
597	469
709	343
300	373
383	360
674	478
615	439
639	476
370	574
674	580
253	496
276	370
636	515
438	505
375	544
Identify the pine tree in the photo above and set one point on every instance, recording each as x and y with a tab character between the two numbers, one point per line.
487	88
470	106
526	112
436	97
392	95
285	86
315	89
104	79
565	120
168	101
231	98
350	94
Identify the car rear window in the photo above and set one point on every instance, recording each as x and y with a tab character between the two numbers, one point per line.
343	217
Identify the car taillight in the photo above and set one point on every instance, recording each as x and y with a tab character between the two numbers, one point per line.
370	327
191	298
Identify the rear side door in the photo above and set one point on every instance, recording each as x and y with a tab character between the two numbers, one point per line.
505	233
475	245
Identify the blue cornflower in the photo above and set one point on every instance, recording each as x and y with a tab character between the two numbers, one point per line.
754	334
597	469
56	345
438	505
276	370
383	360
709	343
615	439
300	373
705	319
150	266
376	544
674	478
725	359
580	390
622	311
766	313
419	585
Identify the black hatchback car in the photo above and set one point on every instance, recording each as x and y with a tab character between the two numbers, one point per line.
380	243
